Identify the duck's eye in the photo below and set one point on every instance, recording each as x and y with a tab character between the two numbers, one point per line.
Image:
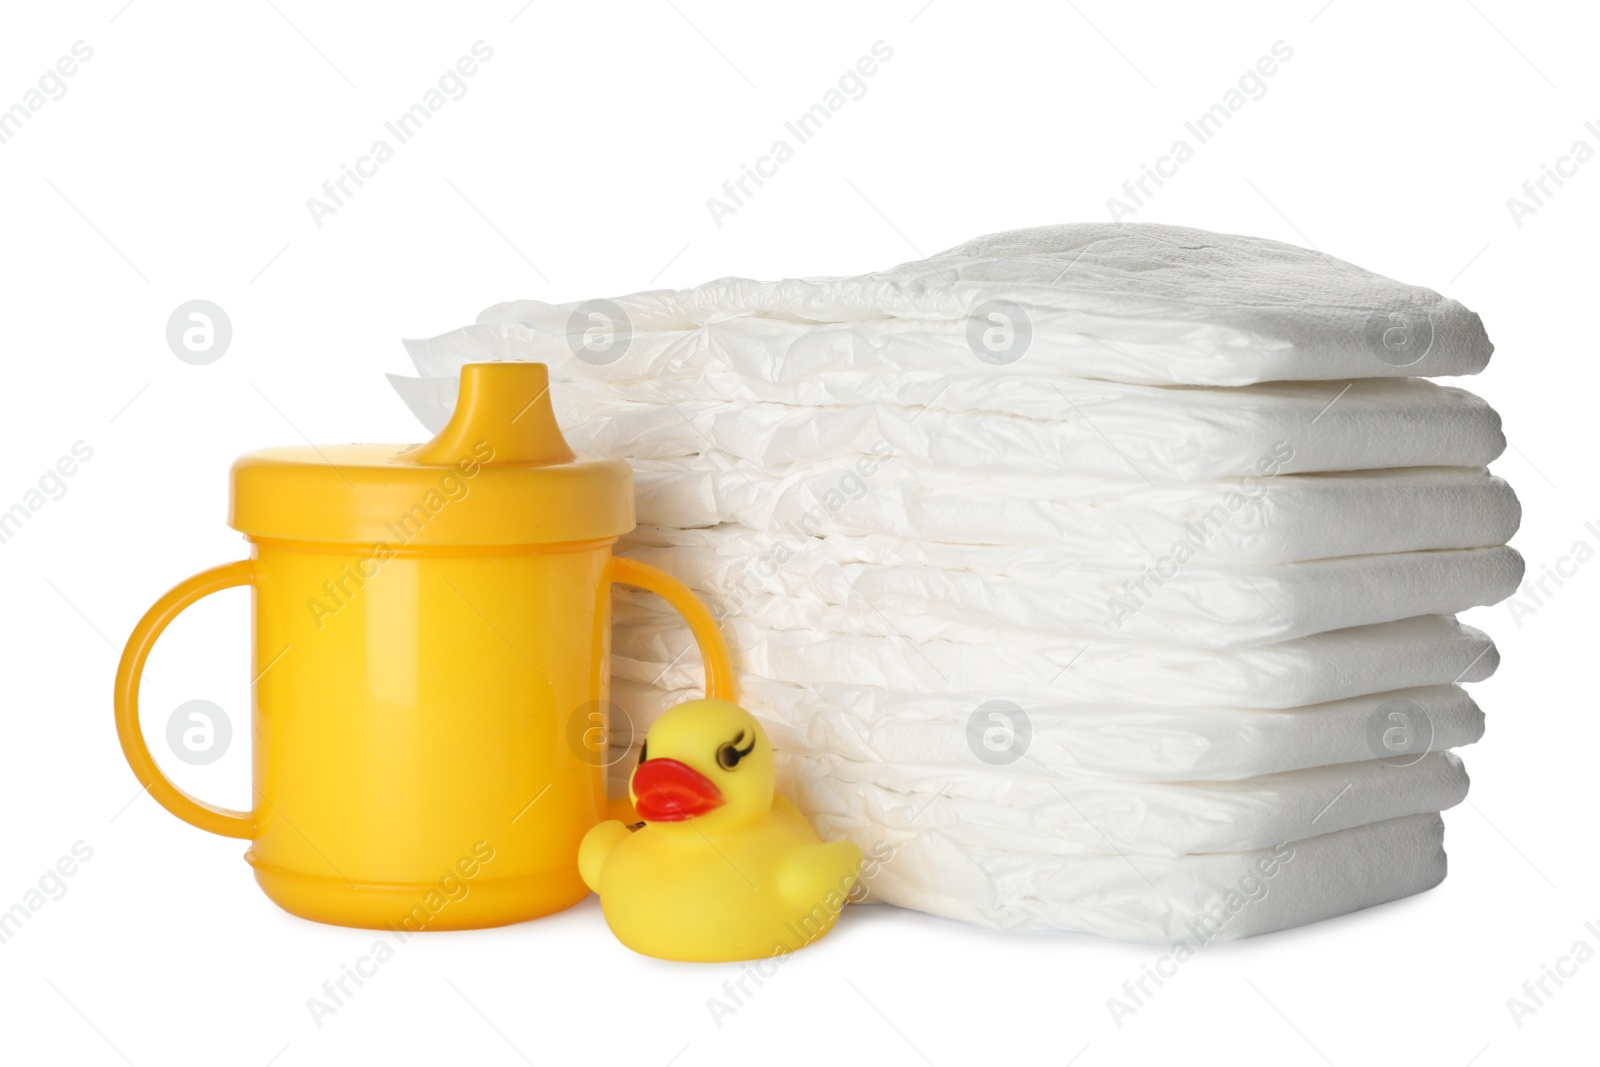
730	753
644	751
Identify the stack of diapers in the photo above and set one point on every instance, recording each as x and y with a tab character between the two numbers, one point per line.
1099	578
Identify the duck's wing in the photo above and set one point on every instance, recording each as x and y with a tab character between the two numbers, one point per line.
596	849
785	806
815	879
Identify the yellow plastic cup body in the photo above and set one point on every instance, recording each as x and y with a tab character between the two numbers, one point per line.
423	725
429	722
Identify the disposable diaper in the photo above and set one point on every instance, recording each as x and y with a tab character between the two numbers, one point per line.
1065	816
1264	520
1109	428
1023	666
932	591
1123	302
925	737
1070	818
1198	898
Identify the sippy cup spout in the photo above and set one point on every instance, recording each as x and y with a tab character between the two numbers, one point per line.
527	487
505	406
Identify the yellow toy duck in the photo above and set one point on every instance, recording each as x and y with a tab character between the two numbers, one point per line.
722	867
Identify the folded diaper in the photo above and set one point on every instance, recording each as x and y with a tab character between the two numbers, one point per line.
1132	303
925	737
1173	819
1137	897
1179	504
1290	517
1066	816
1160	433
932	591
1023	666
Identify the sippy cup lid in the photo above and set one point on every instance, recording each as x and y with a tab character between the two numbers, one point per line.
499	473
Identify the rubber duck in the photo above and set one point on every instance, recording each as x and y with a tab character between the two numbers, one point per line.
720	865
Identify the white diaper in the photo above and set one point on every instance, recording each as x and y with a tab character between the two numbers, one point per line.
1164	434
826	583
1198	898
925	737
1063	816
1131	303
1026	667
1282	519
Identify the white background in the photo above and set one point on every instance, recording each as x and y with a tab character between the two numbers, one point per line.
177	166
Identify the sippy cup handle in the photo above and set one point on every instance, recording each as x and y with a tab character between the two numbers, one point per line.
713	650
196	812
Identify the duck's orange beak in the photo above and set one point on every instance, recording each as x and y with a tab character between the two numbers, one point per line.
669	791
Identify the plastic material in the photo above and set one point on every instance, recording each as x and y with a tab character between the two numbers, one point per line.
499	473
131	670
425	751
722	867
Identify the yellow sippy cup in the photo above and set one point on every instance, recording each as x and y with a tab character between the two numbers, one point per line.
432	652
